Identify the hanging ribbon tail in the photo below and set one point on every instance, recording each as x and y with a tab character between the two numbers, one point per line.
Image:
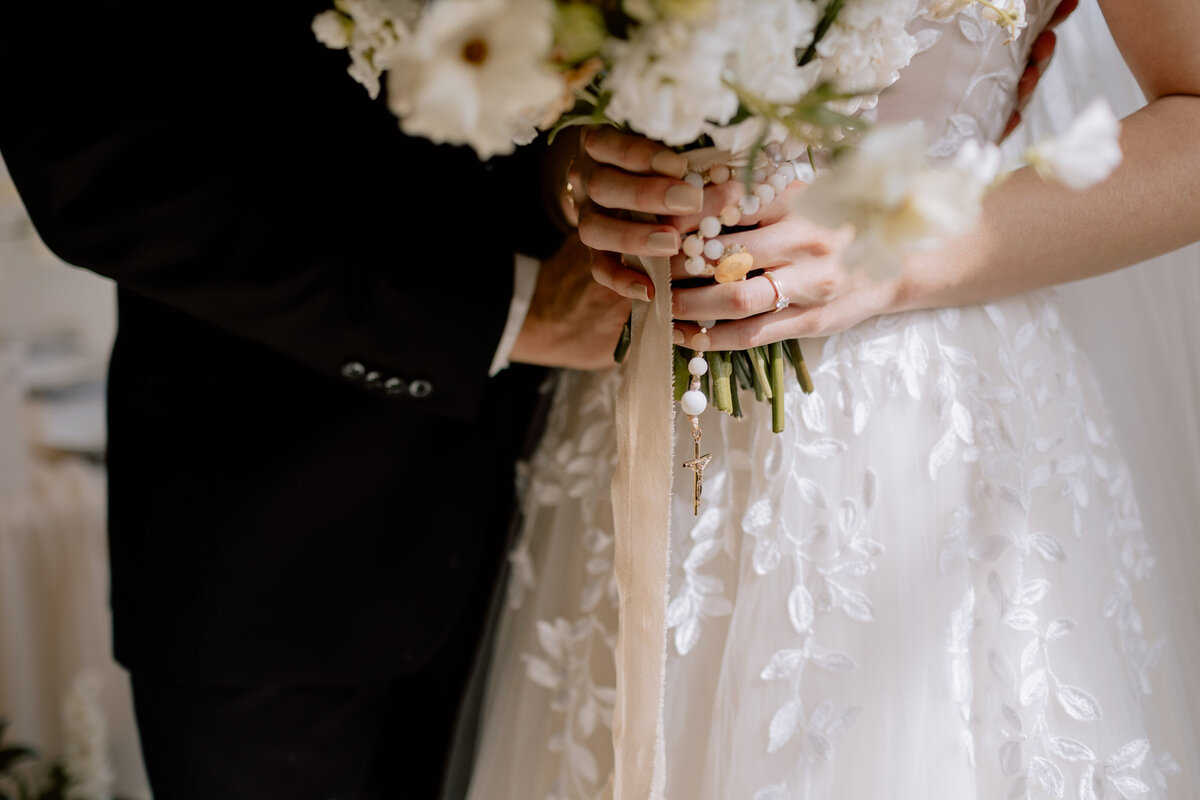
641	499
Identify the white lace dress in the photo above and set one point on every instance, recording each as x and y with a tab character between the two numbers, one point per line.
924	588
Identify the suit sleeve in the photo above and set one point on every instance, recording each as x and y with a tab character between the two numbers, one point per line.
235	173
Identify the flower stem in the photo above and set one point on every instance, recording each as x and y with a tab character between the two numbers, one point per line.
775	352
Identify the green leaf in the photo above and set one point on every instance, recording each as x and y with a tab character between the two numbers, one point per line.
827	20
624	341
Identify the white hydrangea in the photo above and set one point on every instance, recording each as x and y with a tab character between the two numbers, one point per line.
866	48
370	30
763	58
666	80
893	199
476	72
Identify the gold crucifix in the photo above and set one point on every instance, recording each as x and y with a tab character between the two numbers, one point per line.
697	466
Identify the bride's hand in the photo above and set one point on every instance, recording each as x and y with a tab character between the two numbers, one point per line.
805	261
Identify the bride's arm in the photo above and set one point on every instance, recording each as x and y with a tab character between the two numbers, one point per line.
1032	234
1035	234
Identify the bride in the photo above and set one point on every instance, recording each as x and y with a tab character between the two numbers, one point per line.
932	584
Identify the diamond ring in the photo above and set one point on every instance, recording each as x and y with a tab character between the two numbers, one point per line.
782	301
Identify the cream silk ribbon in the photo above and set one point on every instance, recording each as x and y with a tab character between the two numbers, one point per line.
641	498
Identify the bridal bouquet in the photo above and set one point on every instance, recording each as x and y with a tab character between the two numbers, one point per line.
761	91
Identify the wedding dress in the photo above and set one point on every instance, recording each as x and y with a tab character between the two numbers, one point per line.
928	586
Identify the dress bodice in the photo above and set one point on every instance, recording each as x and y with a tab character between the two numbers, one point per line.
962	82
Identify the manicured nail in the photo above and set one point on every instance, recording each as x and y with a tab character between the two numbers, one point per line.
665	162
662	244
677	336
639	291
1044	64
687	198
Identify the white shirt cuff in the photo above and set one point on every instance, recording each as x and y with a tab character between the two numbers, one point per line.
525	275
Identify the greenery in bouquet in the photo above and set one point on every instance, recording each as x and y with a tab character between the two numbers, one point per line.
766	92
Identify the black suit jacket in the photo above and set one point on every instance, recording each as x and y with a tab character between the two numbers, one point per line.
309	466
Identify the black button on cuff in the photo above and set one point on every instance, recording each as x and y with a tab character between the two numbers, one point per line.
395	386
420	388
353	370
373	380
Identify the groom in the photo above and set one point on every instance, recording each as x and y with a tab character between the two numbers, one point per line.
310	468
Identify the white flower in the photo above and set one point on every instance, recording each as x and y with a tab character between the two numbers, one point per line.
1008	14
85	755
666	81
333	29
866	48
944	9
763	58
370	30
895	202
979	161
1086	154
476	72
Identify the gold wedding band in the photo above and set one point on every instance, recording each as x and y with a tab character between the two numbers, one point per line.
782	301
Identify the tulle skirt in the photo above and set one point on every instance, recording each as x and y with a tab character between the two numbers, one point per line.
928	586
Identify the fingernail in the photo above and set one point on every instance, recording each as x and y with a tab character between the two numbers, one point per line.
686	198
665	162
1044	64
662	244
639	291
677	336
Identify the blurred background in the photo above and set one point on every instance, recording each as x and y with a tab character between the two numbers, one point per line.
60	690
1140	327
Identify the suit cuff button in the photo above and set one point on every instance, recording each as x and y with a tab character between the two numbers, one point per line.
420	388
353	371
395	386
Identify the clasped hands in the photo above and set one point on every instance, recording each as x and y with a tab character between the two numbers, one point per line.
629	199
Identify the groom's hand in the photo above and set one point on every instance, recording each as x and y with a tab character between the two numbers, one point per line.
1039	59
573	321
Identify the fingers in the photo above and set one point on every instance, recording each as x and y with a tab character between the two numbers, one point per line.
608	271
811	284
1043	51
773	245
1064	10
601	232
632	153
616	189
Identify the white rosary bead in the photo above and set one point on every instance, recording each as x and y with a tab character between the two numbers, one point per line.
693	402
701	341
695	266
693	246
778	182
788	172
698	366
730	216
758	175
710	227
718	173
706	323
764	193
695	179
749	204
714	249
